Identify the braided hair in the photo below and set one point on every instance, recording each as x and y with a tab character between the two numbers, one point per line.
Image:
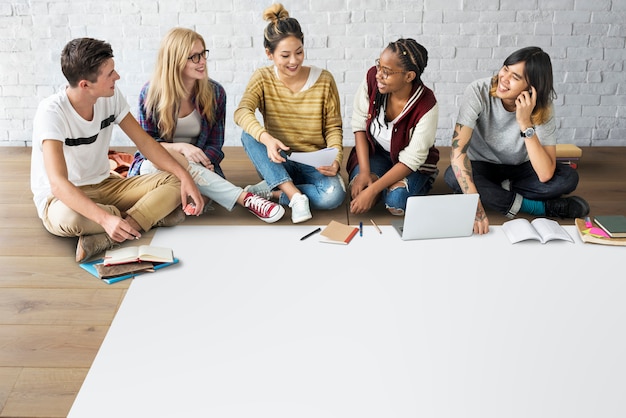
412	56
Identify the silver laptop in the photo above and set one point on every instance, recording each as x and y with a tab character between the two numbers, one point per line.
437	216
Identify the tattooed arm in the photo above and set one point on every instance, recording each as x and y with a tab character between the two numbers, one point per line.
462	167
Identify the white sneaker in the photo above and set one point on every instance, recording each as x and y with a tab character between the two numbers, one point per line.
300	211
260	189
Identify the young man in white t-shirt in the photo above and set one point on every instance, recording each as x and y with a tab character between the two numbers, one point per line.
73	190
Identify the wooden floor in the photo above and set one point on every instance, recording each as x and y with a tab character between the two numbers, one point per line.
54	316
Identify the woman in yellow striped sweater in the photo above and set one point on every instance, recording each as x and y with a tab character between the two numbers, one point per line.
301	112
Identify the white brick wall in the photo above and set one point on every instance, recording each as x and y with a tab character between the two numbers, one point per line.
466	39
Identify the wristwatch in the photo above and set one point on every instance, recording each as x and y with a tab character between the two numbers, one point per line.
528	133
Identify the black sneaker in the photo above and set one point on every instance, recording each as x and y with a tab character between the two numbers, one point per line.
567	207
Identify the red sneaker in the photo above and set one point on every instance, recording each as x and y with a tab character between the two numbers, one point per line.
264	209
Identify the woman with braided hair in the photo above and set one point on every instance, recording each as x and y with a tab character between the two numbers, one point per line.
394	123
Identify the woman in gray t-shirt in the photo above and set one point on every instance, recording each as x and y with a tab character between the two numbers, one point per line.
504	144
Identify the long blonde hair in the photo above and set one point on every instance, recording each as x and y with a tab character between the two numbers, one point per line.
166	89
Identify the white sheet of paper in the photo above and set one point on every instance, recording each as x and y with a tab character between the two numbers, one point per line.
321	158
361	342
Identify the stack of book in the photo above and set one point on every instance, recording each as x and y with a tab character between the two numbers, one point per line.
568	154
605	229
128	262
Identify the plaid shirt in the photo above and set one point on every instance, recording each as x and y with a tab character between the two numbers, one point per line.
210	140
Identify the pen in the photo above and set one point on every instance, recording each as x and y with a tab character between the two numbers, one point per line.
310	233
361	228
588	223
376	226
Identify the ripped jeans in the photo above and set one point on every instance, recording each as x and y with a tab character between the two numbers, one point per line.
415	184
210	184
324	192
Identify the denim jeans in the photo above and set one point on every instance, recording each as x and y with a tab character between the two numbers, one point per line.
210	184
416	183
521	182
323	192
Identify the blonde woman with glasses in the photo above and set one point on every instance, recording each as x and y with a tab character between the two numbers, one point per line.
394	121
184	110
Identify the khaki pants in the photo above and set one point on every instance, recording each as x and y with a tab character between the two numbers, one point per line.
147	199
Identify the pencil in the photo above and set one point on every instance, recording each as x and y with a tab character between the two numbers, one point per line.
376	226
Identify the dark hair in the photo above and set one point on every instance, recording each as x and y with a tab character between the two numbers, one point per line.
412	56
81	59
280	27
538	72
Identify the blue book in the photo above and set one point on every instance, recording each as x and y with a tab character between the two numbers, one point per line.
90	267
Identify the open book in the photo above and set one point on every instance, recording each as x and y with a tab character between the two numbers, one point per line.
540	229
138	253
110	275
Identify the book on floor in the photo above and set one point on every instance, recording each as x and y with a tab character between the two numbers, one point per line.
117	270
540	229
614	225
138	253
588	235
338	233
113	274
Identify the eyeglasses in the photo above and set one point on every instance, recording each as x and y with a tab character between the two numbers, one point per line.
385	71
195	58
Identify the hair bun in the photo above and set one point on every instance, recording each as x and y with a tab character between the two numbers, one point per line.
275	12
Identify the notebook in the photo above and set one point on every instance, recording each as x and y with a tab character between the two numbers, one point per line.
437	216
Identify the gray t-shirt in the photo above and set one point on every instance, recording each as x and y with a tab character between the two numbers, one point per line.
496	134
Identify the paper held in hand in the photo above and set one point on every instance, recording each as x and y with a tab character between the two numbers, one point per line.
321	158
540	229
138	253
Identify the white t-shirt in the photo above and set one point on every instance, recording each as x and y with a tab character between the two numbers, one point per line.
85	143
381	129
188	128
314	74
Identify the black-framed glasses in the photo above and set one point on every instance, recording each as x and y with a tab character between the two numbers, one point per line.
386	72
195	58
